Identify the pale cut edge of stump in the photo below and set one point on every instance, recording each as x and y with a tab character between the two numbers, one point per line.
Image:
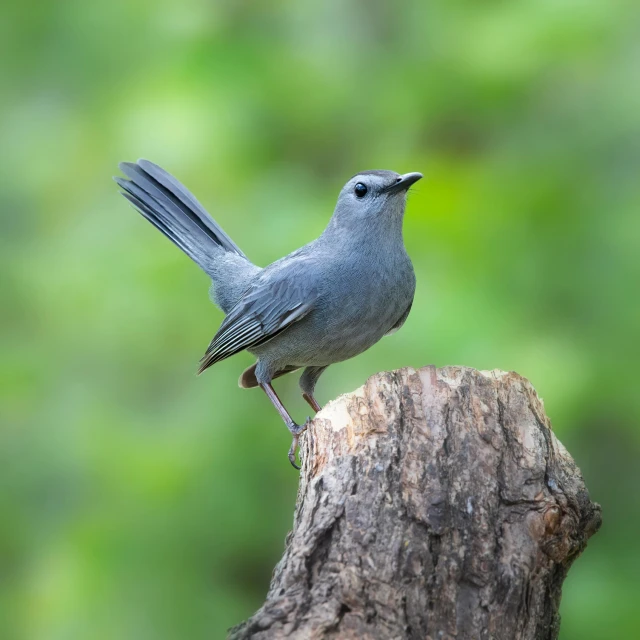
335	416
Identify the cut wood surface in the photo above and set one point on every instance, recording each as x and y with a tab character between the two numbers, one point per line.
433	504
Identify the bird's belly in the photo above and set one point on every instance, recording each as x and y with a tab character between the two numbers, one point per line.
358	306
336	334
351	336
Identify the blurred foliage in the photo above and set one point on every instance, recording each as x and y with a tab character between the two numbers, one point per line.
139	501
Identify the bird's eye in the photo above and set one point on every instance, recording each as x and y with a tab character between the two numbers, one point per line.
360	190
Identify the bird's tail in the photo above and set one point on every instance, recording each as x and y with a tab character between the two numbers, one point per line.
172	209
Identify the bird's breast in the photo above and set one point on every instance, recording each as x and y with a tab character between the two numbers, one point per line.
360	305
359	301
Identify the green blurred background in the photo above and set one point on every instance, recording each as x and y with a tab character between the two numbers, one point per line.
138	501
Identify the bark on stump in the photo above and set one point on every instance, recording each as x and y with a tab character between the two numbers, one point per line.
433	504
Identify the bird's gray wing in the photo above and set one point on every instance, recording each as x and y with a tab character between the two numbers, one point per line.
400	321
266	309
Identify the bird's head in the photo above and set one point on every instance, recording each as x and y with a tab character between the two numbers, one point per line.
373	195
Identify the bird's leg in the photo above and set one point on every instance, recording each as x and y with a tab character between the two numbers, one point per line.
312	402
307	383
295	429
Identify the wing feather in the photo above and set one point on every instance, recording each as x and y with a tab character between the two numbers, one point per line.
271	305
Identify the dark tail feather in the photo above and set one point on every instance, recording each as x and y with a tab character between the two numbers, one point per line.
172	209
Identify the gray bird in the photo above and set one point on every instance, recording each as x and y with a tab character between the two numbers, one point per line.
324	303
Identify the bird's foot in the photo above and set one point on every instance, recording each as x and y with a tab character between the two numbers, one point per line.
296	430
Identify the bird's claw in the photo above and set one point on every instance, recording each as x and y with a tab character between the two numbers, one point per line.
296	430
292	452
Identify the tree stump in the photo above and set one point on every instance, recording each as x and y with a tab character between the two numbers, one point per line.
433	504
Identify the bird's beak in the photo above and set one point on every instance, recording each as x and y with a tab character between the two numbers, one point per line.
404	182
